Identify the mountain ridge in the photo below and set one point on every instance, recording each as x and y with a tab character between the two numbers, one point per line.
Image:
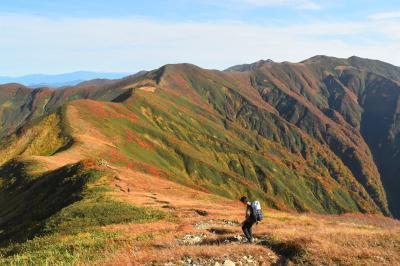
335	121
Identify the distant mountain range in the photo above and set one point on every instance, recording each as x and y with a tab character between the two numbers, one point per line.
60	80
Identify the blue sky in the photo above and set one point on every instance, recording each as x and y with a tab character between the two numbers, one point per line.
128	36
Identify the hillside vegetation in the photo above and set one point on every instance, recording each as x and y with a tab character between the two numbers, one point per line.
82	168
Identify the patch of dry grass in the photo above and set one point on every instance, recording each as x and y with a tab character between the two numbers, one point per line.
349	239
339	240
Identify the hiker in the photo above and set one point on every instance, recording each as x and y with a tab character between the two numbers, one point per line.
253	215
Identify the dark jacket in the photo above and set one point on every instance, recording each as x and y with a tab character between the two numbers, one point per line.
249	212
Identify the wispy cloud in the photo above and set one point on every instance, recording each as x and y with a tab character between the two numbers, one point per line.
298	4
36	44
385	15
295	4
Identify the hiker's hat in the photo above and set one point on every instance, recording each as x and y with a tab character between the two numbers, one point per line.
244	199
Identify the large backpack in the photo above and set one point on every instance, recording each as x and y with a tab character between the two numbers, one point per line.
257	212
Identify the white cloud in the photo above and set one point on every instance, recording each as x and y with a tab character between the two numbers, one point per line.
33	44
298	4
385	15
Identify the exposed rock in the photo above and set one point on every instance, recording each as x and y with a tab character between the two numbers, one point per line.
248	260
240	238
228	263
201	212
203	225
230	223
192	239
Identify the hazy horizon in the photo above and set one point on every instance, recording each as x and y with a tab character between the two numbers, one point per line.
42	36
134	72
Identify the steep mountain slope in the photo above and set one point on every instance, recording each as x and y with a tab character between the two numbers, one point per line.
316	101
362	103
246	142
351	105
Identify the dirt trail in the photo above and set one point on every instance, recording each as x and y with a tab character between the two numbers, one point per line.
204	229
146	189
87	143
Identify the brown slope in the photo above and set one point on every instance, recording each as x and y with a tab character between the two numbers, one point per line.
376	89
301	95
375	66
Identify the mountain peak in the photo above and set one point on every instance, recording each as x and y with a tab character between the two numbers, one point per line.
249	67
379	67
325	60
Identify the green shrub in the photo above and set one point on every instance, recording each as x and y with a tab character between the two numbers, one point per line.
90	213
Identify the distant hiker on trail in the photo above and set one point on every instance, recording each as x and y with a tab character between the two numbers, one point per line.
253	215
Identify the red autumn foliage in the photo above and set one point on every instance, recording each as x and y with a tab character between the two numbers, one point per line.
119	111
96	108
131	137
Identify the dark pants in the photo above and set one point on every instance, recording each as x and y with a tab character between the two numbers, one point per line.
247	224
